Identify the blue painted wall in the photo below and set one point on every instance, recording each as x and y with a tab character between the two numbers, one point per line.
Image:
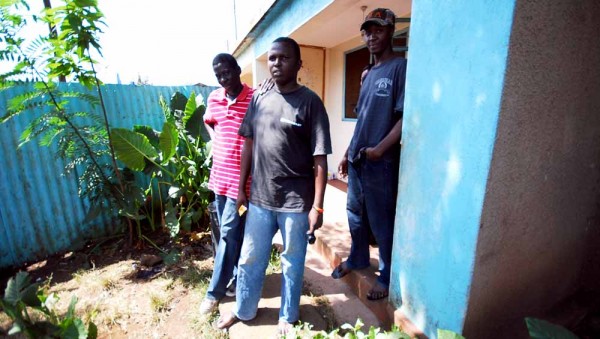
41	212
458	55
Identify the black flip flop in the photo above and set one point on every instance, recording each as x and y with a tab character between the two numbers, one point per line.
339	272
377	295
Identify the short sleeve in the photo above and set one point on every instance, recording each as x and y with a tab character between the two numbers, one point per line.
246	128
320	136
209	117
400	78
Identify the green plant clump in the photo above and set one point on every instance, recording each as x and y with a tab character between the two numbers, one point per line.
303	330
177	162
22	299
176	158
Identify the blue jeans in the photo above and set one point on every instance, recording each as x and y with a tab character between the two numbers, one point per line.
261	226
228	251
372	191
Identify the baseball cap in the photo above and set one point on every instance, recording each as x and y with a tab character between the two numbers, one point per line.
381	17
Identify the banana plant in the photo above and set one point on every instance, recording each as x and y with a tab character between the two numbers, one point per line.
177	160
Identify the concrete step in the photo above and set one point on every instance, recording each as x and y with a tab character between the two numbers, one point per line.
344	302
333	244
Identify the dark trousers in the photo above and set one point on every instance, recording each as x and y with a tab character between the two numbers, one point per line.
372	192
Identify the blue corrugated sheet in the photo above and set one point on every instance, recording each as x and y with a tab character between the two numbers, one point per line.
40	210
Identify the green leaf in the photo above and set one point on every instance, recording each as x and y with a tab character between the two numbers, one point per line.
347	327
541	329
178	102
175	192
193	118
85	3
92	331
15	285
150	133
168	141
47	138
446	334
16	328
8	3
73	329
132	148
71	310
29	296
131	201
190	108
165	108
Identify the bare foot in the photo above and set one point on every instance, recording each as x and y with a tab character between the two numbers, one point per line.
283	328
226	320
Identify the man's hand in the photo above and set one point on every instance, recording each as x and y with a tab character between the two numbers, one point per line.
372	153
241	200
343	167
265	86
315	221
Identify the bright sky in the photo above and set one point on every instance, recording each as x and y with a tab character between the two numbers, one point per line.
164	42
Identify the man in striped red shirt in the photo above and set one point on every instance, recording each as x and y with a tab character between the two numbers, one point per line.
226	109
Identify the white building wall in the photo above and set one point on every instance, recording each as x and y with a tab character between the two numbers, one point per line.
312	73
341	130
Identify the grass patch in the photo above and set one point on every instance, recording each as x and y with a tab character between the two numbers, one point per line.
111	316
324	309
321	304
204	326
79	275
194	275
160	302
108	283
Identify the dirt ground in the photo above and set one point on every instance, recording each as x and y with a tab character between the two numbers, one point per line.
126	299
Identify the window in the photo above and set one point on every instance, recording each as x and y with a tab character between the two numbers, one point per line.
355	62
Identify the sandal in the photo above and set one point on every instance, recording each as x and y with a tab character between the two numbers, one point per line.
340	271
377	293
225	321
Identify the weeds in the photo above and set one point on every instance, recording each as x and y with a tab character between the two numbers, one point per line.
274	261
108	283
160	303
194	276
324	309
203	326
79	275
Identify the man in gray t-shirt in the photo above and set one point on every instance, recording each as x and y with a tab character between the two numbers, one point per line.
372	159
286	147
292	128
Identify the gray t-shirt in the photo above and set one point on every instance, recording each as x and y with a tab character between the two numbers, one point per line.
380	106
287	130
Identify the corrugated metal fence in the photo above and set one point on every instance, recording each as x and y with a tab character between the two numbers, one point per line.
40	210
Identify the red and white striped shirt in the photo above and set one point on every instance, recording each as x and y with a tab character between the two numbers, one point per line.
226	117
